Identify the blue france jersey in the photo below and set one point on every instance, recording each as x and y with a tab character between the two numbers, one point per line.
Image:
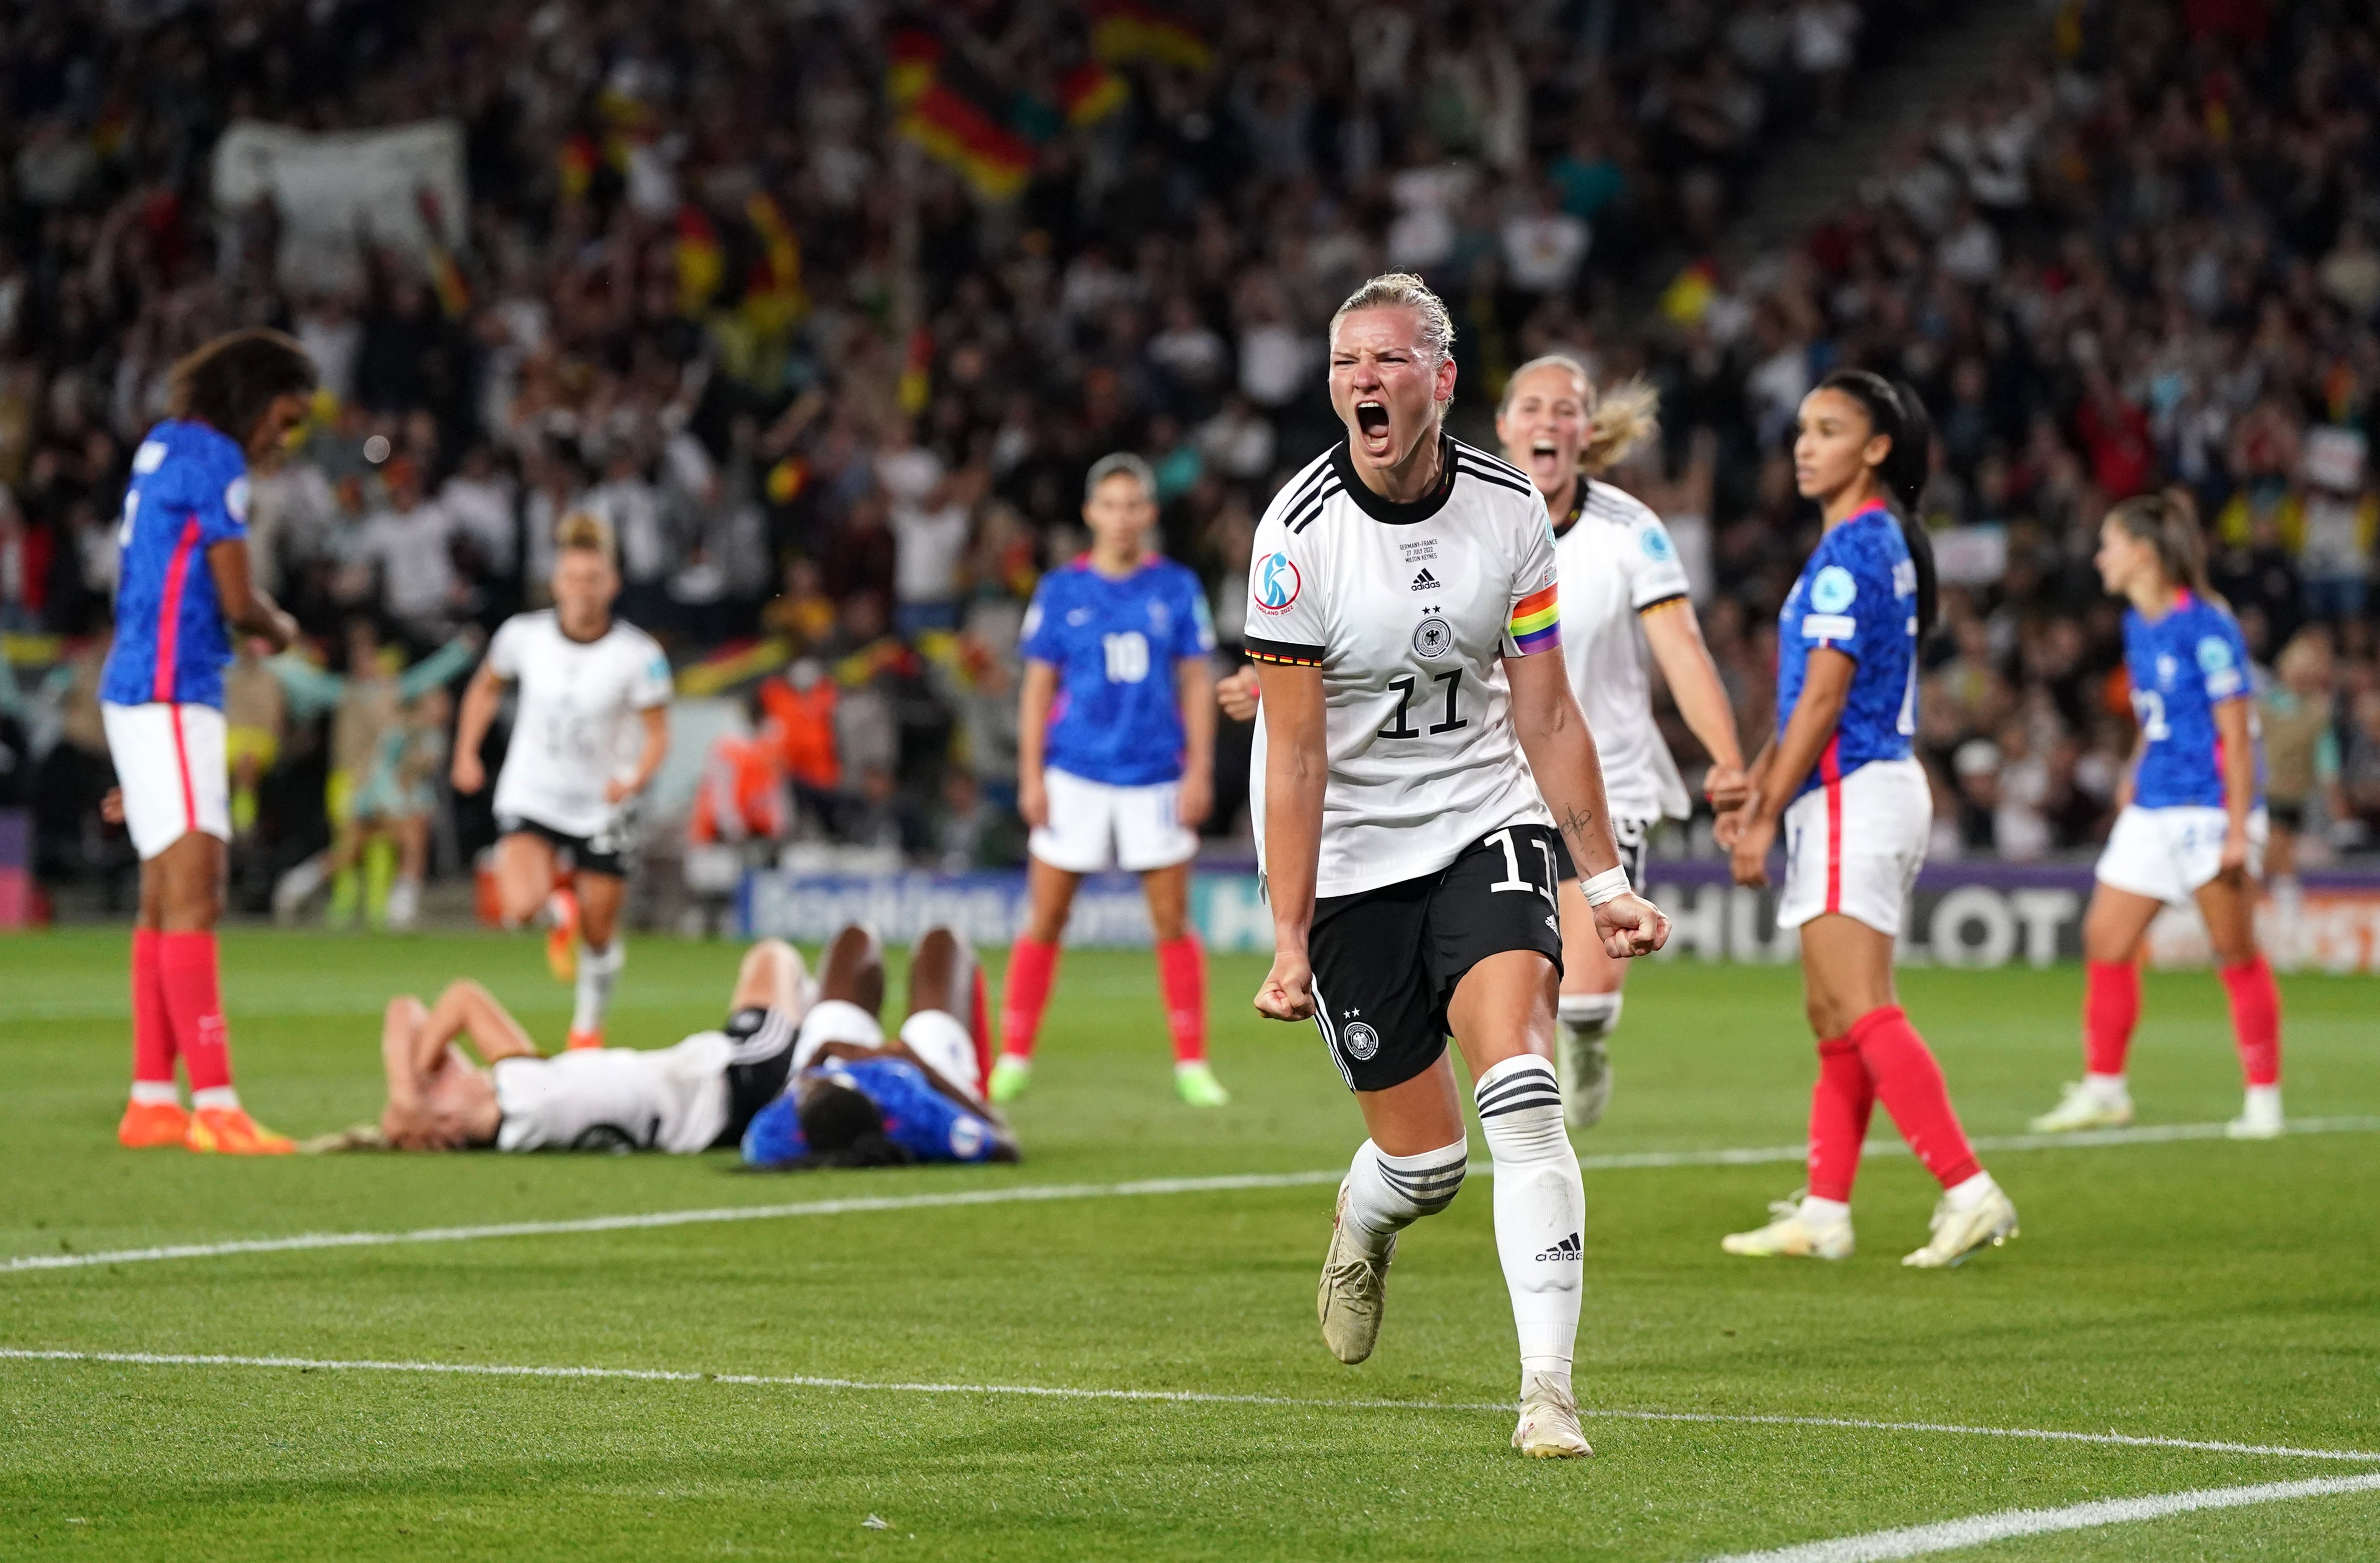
918	1119
188	493
1116	645
2182	666
1857	595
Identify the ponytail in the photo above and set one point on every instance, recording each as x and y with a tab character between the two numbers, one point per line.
1895	410
1625	417
2168	522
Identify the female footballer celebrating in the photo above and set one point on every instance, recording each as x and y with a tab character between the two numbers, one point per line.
2193	828
1618	571
1401	602
1846	707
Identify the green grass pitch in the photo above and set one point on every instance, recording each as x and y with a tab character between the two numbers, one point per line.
2197	1290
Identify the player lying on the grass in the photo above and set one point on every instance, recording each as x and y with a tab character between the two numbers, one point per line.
858	1099
918	1093
2192	826
701	1093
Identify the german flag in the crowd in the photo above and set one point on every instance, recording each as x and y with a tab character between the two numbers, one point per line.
916	371
912	55
959	116
576	165
1090	92
773	287
701	262
445	276
1129	29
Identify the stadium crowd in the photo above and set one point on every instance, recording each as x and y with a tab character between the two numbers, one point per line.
826	311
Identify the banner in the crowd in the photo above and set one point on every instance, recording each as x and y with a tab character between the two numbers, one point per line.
335	191
1978	914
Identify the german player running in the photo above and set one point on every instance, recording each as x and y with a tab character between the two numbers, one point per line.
591	727
1401	609
184	584
1115	763
2193	824
1857	809
1623	592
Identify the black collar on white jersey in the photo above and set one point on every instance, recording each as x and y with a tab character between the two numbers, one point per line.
1381	508
1577	505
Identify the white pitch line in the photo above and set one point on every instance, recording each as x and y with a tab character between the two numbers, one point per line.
1167	1396
1028	1192
1923	1541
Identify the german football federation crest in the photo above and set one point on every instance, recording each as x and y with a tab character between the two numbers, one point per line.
1360	1040
1432	637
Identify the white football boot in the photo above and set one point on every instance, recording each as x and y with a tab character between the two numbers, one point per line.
1790	1236
1353	1290
2087	1106
1548	1427
1958	1233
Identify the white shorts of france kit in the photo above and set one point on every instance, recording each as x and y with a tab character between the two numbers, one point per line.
1096	826
2165	854
1854	846
169	760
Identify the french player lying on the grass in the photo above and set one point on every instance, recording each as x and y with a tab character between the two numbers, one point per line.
705	1092
857	1099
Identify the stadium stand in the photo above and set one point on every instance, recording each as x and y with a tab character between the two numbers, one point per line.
827	309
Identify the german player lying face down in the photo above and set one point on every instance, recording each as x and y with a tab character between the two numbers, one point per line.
801	1074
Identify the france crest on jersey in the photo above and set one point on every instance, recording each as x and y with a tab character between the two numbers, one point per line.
189	492
1116	645
918	1119
1857	595
2182	666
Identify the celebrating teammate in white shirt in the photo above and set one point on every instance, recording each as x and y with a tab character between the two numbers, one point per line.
1399	604
592	729
1619	572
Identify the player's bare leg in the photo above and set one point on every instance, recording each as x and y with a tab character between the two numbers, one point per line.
1032	967
772	976
597	900
943	1030
2112	930
181	900
1588	1011
1182	978
1503	1015
412	833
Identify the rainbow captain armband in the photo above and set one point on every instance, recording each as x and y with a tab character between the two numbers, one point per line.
1536	622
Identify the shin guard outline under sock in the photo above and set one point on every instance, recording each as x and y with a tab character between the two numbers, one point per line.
1386	1193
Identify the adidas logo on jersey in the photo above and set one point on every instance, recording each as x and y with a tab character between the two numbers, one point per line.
1569	1248
1425	581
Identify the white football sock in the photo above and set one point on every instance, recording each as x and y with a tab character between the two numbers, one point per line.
1386	1193
597	969
2262	1099
1973	1192
216	1098
157	1093
1815	1212
1540	1211
2108	1091
1589	1014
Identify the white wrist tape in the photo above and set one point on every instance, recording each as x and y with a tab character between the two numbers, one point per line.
1609	886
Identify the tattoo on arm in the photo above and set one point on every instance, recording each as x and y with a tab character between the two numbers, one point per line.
1577	824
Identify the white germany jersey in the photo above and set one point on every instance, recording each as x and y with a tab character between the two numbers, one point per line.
616	1098
1409	610
1617	561
576	726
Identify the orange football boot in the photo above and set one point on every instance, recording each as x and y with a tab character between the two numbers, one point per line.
230	1131
585	1039
146	1125
562	939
